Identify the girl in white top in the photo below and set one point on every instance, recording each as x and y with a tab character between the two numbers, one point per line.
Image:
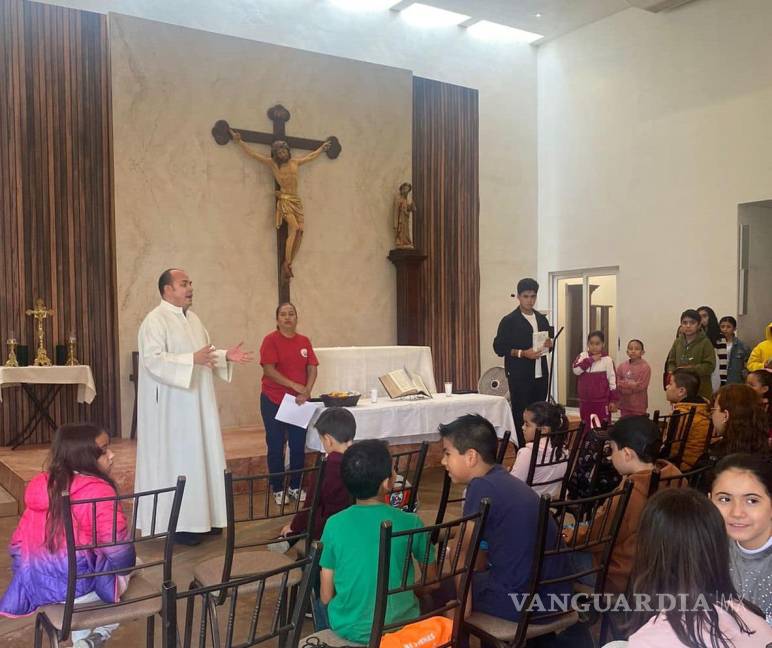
552	457
682	566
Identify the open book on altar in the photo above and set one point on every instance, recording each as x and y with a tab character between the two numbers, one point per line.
401	383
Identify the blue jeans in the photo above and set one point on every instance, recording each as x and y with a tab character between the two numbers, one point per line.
277	434
320	615
581	561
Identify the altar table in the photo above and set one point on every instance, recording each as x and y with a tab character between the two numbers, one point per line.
52	379
412	421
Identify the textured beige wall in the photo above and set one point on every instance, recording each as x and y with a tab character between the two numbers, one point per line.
182	200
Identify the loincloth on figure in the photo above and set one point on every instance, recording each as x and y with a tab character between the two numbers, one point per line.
289	208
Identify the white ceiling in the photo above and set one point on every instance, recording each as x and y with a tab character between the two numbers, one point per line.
557	16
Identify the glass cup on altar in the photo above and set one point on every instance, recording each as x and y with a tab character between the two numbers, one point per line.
373	395
448	388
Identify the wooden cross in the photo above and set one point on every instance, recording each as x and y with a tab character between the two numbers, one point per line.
279	115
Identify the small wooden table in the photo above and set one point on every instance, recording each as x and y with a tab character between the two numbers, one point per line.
52	379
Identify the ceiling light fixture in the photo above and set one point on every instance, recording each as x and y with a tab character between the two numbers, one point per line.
364	5
428	16
496	31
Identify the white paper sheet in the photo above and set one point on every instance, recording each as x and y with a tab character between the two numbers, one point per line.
294	414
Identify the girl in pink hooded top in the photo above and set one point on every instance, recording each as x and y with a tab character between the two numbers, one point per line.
633	377
597	380
80	462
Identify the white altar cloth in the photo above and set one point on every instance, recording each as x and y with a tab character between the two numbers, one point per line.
79	375
412	421
358	368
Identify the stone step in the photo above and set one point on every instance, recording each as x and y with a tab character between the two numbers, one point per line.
9	507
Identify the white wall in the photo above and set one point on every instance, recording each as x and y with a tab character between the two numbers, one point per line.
652	128
505	75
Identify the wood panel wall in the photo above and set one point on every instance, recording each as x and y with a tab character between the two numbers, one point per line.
56	200
446	195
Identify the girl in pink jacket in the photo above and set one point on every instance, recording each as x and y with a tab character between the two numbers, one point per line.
80	462
633	377
597	380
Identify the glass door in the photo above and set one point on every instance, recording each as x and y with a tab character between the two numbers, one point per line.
582	301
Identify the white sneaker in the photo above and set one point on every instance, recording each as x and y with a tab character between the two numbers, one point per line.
282	546
297	493
278	497
94	640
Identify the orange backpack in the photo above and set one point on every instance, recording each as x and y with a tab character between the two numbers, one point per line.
429	633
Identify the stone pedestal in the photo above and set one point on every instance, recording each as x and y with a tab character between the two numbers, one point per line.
410	314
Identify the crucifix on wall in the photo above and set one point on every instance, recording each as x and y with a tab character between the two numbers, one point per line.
289	208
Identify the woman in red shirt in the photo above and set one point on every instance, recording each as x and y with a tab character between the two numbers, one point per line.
289	367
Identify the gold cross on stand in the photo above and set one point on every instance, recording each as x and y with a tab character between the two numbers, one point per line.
40	312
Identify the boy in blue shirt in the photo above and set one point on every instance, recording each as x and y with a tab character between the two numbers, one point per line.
469	455
351	540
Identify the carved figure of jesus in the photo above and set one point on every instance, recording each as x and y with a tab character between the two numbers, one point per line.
403	208
289	207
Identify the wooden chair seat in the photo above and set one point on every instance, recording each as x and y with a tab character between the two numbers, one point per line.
138	586
209	572
505	631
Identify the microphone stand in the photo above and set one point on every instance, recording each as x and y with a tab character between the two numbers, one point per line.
550	399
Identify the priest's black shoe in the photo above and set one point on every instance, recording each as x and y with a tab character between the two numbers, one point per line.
188	539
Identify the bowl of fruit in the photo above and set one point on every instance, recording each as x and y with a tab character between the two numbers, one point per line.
341	399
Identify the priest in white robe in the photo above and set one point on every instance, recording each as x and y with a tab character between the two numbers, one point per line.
178	427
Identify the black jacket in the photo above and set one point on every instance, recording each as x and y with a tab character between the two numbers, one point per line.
516	332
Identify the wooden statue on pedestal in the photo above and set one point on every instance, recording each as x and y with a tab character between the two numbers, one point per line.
408	261
403	208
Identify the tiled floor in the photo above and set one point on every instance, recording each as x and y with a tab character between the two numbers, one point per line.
18	633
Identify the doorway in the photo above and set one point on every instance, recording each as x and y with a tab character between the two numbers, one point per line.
582	301
754	307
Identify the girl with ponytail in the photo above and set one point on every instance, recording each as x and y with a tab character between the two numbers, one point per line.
551	421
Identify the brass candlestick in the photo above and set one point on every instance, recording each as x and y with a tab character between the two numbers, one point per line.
72	361
40	312
12	361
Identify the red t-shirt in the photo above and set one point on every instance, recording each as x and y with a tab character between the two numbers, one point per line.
291	357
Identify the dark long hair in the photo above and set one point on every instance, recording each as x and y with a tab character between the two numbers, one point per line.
712	331
554	417
758	465
683	550
747	428
74	450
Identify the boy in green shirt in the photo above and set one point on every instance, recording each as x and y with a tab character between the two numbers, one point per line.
350	541
692	350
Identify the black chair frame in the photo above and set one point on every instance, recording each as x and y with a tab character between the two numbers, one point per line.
286	620
690	478
410	466
545	455
609	509
678	426
268	510
43	623
451	563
